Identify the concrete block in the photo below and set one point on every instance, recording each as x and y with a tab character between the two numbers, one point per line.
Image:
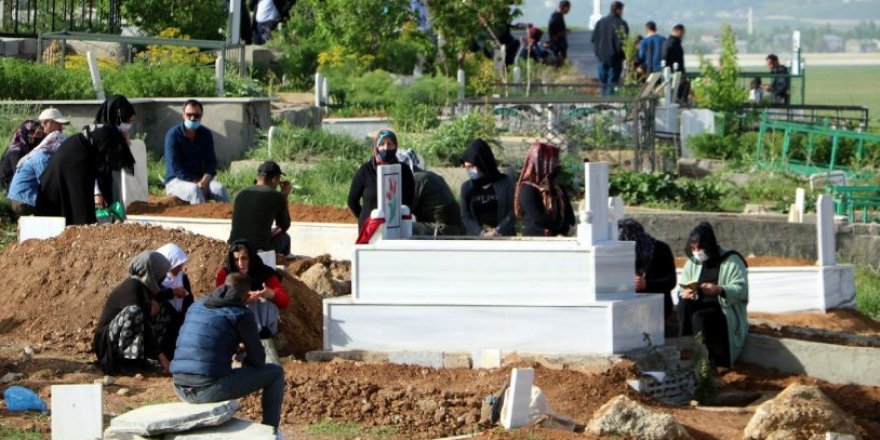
40	228
173	417
134	187
515	413
487	358
432	359
456	360
825	231
77	412
235	429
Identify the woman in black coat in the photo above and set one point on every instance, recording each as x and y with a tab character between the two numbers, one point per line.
362	195
68	183
487	195
655	264
543	205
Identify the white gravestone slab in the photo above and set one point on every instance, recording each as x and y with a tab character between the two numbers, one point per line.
134	187
615	208
389	193
268	257
40	228
593	228
77	412
234	429
173	417
825	231
515	412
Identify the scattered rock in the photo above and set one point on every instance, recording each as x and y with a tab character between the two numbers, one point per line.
319	279
799	412
621	416
139	376
106	380
11	377
122	392
29	350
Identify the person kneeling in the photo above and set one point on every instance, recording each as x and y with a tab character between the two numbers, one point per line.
215	329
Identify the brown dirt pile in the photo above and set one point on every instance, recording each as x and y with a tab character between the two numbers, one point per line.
835	320
763	261
173	207
56	288
427	403
301	328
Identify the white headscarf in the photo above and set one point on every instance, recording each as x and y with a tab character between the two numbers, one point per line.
177	257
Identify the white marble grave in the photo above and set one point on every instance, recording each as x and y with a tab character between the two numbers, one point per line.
41	228
547	295
77	412
134	187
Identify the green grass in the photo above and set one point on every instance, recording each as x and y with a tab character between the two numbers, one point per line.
845	85
868	292
350	430
18	434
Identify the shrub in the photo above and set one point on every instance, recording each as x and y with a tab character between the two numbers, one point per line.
717	89
326	183
308	145
409	116
730	147
142	80
27	80
445	144
664	190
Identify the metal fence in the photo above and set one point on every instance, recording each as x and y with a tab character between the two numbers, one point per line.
578	124
28	18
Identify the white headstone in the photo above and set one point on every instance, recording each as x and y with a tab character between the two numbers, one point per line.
825	231
273	131
515	413
615	210
40	228
96	75
490	358
460	78
135	187
77	412
318	94
694	122
593	227
390	199
268	257
220	75
799	204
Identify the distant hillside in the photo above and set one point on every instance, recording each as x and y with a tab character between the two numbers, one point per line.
706	13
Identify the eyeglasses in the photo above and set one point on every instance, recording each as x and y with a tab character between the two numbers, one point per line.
193	115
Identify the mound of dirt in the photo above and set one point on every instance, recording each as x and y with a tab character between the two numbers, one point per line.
836	320
174	207
301	328
425	403
56	288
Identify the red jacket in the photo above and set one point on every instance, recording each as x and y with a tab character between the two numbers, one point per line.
281	299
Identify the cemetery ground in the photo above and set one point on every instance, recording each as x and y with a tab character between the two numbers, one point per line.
52	304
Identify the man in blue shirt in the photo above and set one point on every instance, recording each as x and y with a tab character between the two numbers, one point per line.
651	49
190	161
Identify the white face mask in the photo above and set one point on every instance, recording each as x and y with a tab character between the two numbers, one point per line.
701	256
124	127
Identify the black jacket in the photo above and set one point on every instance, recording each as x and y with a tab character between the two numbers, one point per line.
536	222
607	44
479	154
673	53
661	276
362	193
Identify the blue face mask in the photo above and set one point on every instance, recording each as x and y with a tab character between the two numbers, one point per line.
192	125
387	155
474	173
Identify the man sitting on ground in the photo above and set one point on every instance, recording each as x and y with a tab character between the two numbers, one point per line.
215	329
190	161
257	206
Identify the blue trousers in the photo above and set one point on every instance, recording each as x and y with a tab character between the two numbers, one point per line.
241	382
609	75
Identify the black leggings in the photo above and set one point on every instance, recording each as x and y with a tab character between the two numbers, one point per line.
706	317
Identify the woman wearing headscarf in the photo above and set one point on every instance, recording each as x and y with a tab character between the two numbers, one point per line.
655	264
713	296
543	204
124	336
67	185
434	205
28	135
267	295
362	194
487	207
26	181
115	111
174	297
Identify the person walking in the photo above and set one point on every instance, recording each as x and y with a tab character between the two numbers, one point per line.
607	39
558	32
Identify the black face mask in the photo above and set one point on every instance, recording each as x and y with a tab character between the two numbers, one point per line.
387	156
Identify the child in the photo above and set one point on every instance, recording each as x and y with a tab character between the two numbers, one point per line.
756	93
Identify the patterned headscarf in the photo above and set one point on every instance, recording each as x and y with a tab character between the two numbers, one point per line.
631	230
149	268
381	136
410	158
538	171
49	144
28	135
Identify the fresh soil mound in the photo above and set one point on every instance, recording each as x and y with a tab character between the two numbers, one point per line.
339	270
301	327
174	207
763	261
56	288
425	403
835	320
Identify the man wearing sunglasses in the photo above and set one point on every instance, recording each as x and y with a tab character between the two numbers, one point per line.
190	161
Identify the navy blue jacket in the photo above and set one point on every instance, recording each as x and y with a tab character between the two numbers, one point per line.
651	53
189	159
209	338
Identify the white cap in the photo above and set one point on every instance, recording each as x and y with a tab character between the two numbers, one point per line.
53	114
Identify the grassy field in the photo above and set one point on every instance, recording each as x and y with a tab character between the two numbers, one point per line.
845	85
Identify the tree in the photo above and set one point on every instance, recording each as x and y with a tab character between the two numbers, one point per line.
717	88
203	20
457	22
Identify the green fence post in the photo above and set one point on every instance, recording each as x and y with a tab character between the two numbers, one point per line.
834	146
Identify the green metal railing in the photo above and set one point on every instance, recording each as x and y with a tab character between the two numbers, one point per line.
858	203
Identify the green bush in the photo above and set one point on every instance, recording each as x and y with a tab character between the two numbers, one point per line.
663	190
445	144
142	80
308	145
412	117
326	183
734	147
868	292
26	80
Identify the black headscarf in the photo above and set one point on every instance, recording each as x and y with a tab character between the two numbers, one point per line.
479	154
704	236
631	230
258	271
115	110
109	147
